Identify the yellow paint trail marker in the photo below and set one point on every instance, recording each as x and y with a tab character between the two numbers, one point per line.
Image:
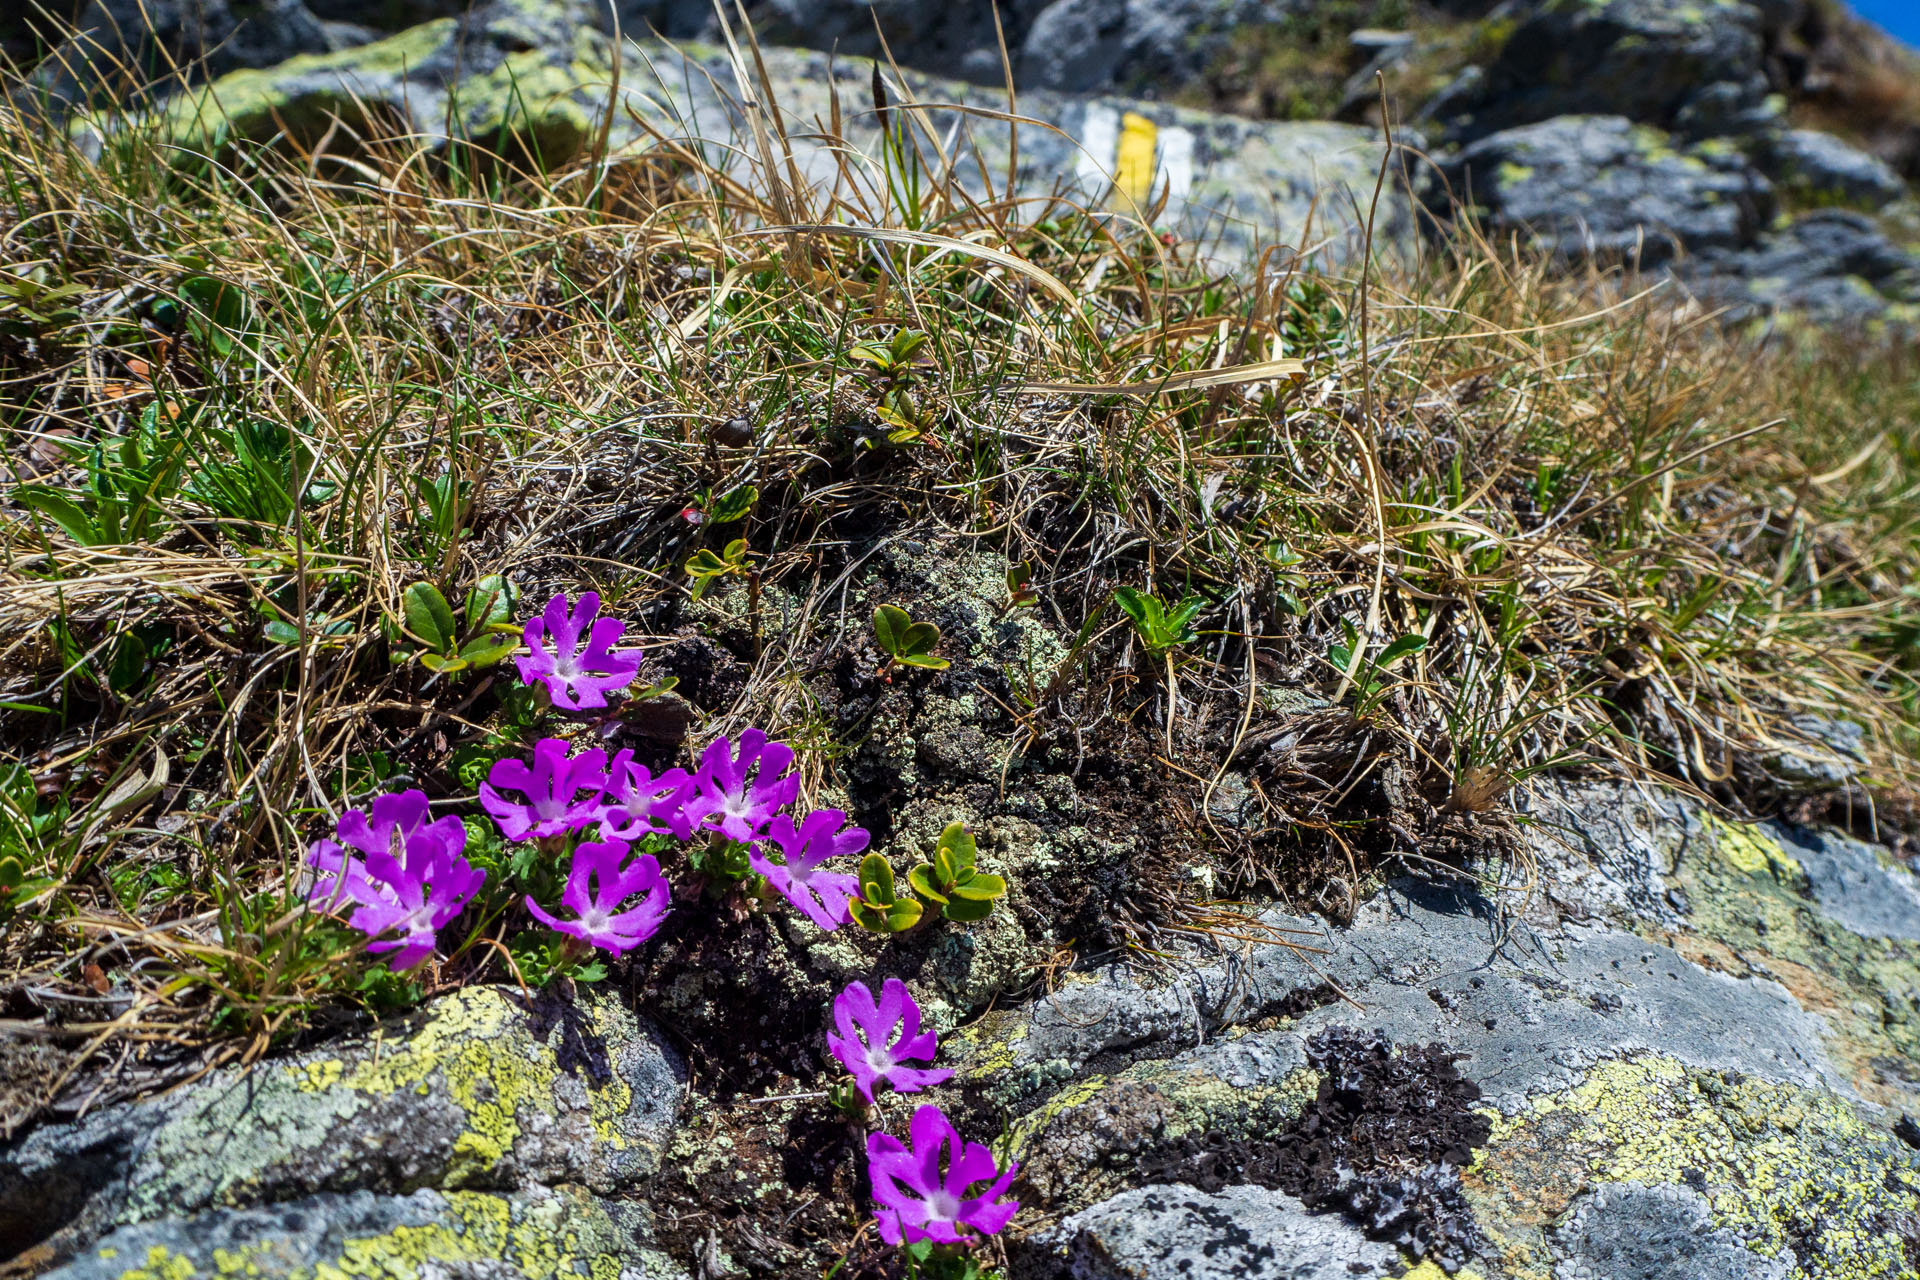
1133	165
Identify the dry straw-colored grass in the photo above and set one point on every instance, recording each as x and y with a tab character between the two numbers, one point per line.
1633	539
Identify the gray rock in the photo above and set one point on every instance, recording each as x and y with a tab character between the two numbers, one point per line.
1604	852
1645	60
1587	186
1852	886
1173	1232
1833	265
464	1096
153	38
1820	167
1633	1232
1824	753
1141	46
539	1233
1528	1012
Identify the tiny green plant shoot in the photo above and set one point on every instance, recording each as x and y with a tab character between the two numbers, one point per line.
880	906
1162	630
950	879
890	366
1021	593
1369	673
905	642
707	568
447	646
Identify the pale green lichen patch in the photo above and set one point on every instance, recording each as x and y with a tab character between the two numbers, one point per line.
460	1051
1751	916
1791	1173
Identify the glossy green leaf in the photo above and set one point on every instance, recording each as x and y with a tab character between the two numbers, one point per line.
428	617
890	624
485	651
490	603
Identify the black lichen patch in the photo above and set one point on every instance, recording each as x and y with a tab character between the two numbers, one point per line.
1383	1142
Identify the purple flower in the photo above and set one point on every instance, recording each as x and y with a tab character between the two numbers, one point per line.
562	794
576	678
877	1052
917	1203
723	800
411	880
822	895
596	886
637	803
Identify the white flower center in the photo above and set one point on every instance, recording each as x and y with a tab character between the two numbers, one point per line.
880	1058
942	1207
594	921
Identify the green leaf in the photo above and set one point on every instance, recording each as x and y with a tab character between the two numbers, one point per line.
967	910
980	887
919	639
956	842
446	666
1133	604
734	504
890	627
490	603
484	651
1405	646
63	511
925	661
922	878
428	617
704	564
876	880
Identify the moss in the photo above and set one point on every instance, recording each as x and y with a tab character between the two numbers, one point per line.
1780	1167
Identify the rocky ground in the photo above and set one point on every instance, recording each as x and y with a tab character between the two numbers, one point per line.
1666	1042
1607	1032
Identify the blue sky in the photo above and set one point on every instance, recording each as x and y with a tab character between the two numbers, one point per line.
1901	17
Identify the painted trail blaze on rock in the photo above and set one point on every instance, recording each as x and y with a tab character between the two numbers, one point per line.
477	1093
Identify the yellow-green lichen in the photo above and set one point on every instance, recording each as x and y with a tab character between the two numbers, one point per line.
459	1048
546	1241
1777	1165
162	1264
1752	851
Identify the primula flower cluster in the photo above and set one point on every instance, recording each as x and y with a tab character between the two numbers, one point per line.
930	1189
410	879
738	793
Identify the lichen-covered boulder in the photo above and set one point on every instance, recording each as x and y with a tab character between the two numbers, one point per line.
476	1092
534	79
1669	63
527	76
1821	169
1603	186
534	1235
1712	1070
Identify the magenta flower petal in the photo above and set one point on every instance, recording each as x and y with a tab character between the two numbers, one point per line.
412	879
916	1202
576	676
563	794
876	1040
637	803
822	896
599	882
724	800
